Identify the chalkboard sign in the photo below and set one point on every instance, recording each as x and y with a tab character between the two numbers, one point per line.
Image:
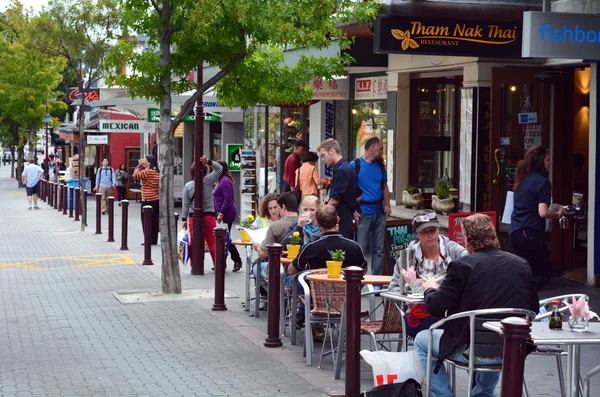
398	234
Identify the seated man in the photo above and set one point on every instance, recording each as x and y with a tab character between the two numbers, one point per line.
485	279
315	254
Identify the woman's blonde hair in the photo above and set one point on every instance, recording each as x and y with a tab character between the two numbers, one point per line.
310	198
479	232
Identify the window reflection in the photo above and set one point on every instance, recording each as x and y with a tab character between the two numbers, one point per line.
368	119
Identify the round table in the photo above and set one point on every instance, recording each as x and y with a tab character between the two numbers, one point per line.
367	279
285	260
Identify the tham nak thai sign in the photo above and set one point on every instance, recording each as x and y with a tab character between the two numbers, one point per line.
428	36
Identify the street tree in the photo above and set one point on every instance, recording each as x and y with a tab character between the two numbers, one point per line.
246	41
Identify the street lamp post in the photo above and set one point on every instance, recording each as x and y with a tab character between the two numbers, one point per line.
198	214
46	120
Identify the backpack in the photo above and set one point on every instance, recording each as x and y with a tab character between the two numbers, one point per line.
359	191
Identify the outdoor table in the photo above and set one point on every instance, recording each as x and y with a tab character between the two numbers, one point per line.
249	249
409	299
542	335
285	260
368	279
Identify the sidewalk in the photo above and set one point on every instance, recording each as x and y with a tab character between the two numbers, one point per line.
67	335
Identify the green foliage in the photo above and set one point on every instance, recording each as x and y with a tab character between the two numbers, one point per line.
412	189
442	190
337	255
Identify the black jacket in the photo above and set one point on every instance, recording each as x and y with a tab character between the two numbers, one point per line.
487	279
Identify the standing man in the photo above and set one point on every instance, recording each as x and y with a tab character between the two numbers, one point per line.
373	201
30	177
343	190
291	165
105	183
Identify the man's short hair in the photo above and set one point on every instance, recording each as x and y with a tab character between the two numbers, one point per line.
300	143
289	200
479	232
329	144
372	141
327	216
31	161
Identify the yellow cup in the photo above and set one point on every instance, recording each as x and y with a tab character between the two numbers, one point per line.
293	251
334	268
245	236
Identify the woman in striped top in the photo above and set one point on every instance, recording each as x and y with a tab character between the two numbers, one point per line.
147	172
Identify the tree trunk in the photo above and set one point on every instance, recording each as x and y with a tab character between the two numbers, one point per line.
20	166
171	278
12	162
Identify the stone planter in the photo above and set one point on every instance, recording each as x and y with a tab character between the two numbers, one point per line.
412	200
443	206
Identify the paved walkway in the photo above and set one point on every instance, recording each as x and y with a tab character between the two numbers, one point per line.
67	335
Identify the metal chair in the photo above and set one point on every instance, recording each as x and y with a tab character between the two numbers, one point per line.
586	381
482	343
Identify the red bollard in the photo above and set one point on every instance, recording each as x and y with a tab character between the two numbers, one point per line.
124	215
273	334
84	209
70	200
98	213
221	237
111	219
147	210
76	203
55	198
50	194
353	276
43	190
65	188
515	331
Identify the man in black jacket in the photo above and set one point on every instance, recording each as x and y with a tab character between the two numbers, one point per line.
485	279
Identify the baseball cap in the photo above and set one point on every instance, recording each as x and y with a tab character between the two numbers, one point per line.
423	220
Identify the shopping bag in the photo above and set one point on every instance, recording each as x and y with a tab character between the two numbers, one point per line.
393	367
410	388
183	249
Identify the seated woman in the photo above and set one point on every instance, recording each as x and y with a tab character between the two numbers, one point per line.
307	223
268	211
428	244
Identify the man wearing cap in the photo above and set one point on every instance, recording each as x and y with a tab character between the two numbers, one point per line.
291	165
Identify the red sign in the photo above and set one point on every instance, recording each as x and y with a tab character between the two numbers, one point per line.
90	95
455	227
363	85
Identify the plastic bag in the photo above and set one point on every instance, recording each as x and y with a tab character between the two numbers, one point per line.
393	367
183	248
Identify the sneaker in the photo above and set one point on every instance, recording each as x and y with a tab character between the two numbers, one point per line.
119	204
262	305
237	266
29	209
36	208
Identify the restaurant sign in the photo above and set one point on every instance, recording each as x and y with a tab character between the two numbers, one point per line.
139	126
154	116
90	94
428	36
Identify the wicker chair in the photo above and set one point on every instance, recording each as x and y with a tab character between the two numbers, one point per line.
391	323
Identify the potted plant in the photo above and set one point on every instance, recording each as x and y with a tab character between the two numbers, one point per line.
442	201
293	248
334	266
412	197
246	224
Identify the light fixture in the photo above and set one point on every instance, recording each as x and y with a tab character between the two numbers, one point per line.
354	111
513	88
47	119
376	112
434	112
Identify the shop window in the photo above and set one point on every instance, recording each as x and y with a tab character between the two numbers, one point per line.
434	134
369	118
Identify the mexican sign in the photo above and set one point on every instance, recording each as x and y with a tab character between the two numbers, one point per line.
135	126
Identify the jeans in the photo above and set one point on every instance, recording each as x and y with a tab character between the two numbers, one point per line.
531	246
373	226
440	384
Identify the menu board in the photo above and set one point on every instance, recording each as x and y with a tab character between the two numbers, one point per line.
454	224
398	235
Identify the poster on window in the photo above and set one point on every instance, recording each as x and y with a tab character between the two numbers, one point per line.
533	136
371	88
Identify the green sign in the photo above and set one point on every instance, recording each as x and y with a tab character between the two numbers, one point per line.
154	116
234	156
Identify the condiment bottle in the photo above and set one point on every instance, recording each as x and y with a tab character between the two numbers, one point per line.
555	320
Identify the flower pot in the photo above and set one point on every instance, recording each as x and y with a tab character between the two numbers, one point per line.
412	200
292	250
443	206
578	324
334	269
245	236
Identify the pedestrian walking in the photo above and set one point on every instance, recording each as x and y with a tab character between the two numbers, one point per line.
147	172
105	182
121	182
343	189
292	163
208	205
373	201
532	199
226	210
30	177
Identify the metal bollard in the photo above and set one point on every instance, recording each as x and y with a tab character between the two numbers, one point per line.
84	208
515	331
65	188
111	219
55	198
176	220
71	201
98	214
273	335
353	276
50	194
76	203
124	214
221	237
43	190
147	210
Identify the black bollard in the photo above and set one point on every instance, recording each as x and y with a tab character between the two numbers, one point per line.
111	219
84	209
353	276
43	190
147	210
98	213
50	194
221	244
273	334
515	331
71	200
176	220
76	203
124	215
65	189
59	196
55	198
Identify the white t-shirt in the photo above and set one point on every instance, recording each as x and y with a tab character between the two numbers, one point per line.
32	172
